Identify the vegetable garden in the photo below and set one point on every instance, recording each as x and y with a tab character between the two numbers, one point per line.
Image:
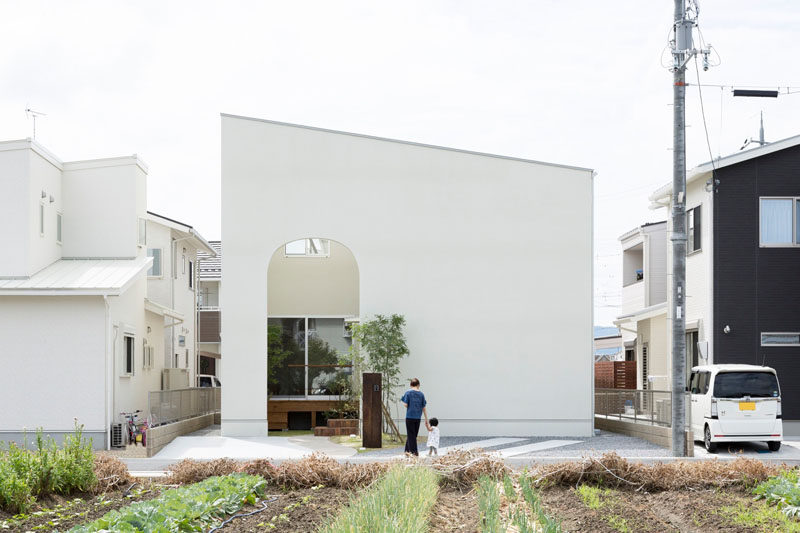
68	488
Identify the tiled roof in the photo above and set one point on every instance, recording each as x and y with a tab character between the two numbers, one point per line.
79	276
210	268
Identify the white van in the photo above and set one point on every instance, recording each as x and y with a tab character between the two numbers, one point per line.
735	403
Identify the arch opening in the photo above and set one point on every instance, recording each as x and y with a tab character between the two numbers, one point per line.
312	302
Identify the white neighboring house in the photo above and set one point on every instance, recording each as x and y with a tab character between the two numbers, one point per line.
643	318
172	282
208	310
80	338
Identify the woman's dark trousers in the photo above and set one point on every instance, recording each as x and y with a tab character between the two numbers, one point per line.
412	430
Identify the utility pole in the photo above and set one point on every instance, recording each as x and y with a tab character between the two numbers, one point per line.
683	50
682	47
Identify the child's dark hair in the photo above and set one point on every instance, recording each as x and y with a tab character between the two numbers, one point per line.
414	382
434	421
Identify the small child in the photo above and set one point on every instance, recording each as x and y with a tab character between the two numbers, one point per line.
433	437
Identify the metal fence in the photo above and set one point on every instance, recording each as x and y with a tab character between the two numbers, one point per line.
165	407
638	406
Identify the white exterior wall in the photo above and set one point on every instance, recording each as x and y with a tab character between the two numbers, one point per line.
185	302
53	355
26	172
441	236
656	273
300	286
128	315
159	287
44	176
698	272
103	201
653	333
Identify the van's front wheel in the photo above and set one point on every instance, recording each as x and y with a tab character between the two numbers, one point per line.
774	445
711	447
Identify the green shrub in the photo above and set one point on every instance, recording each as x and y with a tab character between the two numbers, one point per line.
191	508
400	501
15	494
25	474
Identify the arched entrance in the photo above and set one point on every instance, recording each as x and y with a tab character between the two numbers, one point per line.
312	300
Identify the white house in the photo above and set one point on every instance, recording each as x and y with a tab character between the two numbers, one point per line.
643	318
489	258
172	281
80	337
208	311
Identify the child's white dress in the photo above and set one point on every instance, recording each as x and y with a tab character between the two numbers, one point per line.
433	437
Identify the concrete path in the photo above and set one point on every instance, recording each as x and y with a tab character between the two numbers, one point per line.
486	443
535	447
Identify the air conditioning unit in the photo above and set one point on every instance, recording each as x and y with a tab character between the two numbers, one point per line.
117	437
174	378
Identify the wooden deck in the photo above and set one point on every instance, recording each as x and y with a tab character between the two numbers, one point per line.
278	411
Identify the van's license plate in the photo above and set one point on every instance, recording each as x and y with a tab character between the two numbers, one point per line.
747	406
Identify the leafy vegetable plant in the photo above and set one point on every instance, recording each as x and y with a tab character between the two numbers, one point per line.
191	508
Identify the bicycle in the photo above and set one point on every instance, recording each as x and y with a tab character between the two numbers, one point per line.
135	428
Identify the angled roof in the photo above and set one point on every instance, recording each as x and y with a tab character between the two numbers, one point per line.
79	277
412	143
210	267
199	242
705	169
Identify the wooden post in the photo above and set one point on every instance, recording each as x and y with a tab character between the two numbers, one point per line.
372	413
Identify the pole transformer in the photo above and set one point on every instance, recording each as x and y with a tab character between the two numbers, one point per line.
681	52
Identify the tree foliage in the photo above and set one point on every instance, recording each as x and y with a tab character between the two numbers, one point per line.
384	340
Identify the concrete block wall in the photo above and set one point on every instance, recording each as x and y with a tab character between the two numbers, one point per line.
160	436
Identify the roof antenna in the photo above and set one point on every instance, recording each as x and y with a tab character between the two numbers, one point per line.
764	360
760	141
30	113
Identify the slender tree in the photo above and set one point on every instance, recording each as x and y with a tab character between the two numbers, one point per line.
384	340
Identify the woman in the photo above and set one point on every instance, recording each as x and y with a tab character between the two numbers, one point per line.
415	404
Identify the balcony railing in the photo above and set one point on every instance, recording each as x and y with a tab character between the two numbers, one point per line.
168	406
639	406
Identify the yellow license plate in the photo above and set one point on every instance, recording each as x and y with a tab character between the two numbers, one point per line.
747	406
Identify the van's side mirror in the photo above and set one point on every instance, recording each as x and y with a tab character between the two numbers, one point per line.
687	388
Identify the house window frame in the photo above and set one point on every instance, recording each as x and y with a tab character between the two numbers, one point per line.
142	233
128	367
772	344
696	232
795	222
191	275
306	395
59	227
41	219
147	355
307	253
160	274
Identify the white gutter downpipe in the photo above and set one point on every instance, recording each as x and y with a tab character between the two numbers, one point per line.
111	368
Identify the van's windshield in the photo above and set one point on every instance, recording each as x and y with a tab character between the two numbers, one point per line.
740	384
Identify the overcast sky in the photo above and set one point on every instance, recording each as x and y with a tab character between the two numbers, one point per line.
577	82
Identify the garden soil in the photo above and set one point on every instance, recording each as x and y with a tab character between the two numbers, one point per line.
295	511
60	513
698	511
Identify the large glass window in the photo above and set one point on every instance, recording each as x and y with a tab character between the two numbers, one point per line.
305	356
777	221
